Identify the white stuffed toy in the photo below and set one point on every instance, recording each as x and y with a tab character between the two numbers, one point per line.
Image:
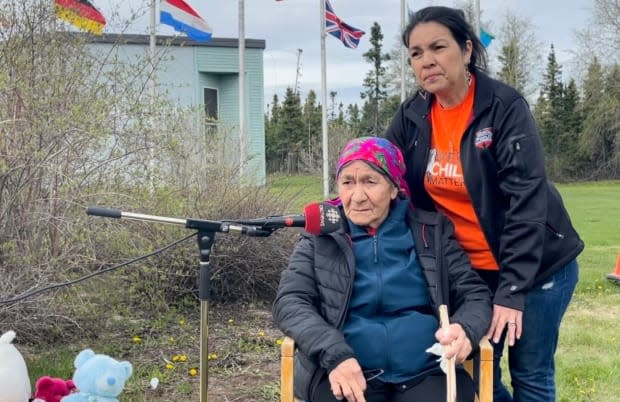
14	381
98	378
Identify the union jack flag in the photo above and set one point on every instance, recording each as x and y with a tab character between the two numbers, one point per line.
334	26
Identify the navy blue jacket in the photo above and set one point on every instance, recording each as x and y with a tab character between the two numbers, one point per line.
313	297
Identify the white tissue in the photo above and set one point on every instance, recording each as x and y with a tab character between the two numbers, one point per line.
438	350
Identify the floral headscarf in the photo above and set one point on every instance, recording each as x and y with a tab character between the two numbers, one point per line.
380	154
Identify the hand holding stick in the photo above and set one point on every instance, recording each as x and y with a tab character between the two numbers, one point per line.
451	375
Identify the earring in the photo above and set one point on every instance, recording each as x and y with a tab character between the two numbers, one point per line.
467	76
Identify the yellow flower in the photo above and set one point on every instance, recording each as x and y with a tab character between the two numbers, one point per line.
176	358
182	358
279	342
261	333
212	356
136	339
193	372
169	366
230	320
181	322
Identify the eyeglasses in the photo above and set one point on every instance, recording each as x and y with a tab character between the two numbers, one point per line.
372	373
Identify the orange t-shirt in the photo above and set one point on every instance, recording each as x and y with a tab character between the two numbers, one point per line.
444	179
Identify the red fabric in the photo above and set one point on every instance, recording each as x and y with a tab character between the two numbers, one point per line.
83	8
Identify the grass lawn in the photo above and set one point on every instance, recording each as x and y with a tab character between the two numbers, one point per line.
243	344
588	355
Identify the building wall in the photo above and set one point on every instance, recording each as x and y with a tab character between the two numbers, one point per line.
186	67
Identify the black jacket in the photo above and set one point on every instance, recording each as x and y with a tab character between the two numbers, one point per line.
313	297
521	213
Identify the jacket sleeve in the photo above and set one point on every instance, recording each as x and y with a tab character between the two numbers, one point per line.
295	311
522	181
470	298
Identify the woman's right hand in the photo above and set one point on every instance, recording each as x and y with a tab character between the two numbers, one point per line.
347	381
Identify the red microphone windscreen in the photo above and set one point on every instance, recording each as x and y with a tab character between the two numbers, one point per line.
312	213
321	218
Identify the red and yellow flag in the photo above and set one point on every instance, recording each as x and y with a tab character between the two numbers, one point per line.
80	13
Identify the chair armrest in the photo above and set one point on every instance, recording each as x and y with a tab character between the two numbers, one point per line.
287	352
485	385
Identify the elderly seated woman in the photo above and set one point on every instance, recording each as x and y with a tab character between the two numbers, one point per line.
362	302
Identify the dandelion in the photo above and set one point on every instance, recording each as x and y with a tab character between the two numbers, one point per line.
261	333
176	358
212	356
181	321
230	320
136	339
169	366
193	372
182	358
279	342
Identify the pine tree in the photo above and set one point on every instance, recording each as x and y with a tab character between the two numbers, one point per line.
374	83
288	136
569	138
549	112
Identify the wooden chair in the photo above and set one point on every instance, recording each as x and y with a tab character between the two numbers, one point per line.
484	358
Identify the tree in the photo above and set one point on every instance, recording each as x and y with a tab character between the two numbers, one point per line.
599	142
393	74
569	137
602	36
549	112
519	55
374	83
289	137
272	145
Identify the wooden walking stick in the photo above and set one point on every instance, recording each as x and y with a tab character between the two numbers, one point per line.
451	374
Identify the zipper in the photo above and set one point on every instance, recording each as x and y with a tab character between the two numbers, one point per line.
374	249
555	232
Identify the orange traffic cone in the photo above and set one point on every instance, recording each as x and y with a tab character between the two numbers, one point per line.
615	276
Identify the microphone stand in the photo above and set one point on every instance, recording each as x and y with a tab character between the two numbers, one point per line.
206	238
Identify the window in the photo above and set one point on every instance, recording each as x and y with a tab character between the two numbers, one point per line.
211	104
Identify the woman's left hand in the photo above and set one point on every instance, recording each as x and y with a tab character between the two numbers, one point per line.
455	341
506	318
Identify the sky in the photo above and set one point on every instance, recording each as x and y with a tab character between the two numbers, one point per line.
289	25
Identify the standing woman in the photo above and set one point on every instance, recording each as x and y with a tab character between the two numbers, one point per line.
472	151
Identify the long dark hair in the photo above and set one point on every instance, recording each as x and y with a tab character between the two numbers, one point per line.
454	20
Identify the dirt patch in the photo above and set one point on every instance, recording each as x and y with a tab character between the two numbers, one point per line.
244	360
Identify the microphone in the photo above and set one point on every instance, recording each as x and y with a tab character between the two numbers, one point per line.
318	218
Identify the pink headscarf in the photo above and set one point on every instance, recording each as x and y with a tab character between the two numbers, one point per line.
380	154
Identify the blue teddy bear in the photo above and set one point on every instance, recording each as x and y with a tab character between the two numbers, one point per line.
98	378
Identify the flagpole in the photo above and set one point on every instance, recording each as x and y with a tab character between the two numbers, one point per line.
324	104
477	18
152	40
242	134
152	44
403	53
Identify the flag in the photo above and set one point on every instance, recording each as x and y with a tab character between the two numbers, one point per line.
485	38
183	18
336	27
80	13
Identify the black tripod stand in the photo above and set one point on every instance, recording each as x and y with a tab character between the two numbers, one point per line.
206	231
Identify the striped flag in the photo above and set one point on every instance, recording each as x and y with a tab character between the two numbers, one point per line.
183	18
80	13
334	26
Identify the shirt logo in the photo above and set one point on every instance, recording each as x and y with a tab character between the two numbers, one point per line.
484	138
